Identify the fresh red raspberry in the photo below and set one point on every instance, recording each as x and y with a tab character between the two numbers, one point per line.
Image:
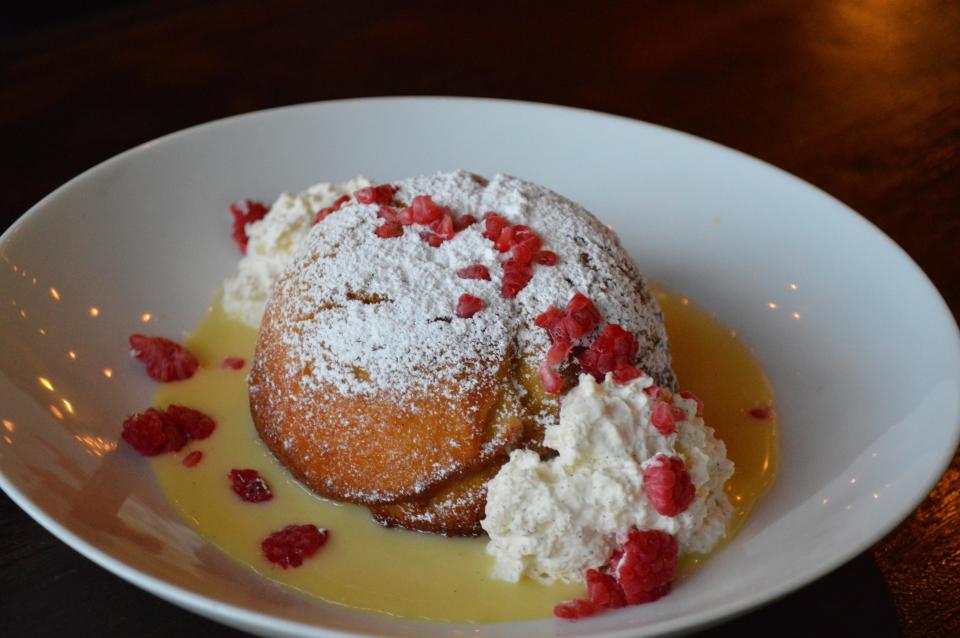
761	412
192	459
663	418
477	271
691	395
546	258
291	545
192	423
667	485
382	194
612	347
323	213
245	212
493	225
647	566
405	216
388	213
558	352
388	230
150	433
468	305
505	240
250	486
425	210
581	316
625	373
233	363
524	250
574	610
551	320
551	381
165	360
464	221
604	590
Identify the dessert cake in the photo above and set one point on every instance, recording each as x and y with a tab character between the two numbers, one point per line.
397	362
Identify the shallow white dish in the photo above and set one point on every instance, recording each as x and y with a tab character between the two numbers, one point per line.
863	352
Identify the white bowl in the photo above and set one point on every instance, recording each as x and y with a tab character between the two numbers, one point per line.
867	377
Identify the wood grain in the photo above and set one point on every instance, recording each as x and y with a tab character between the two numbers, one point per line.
860	98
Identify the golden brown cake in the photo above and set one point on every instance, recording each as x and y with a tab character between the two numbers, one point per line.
371	389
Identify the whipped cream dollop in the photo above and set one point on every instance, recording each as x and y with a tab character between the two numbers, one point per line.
273	241
553	520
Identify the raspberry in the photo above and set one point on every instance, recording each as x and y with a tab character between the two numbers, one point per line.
233	363
524	250
388	213
166	360
581	316
505	240
761	412
667	485
515	278
150	434
692	396
443	227
477	271
405	216
612	347
245	212
663	418
250	486
558	352
551	381
192	423
463	222
646	569
388	230
382	194
604	591
493	225
652	391
468	305
431	239
192	459
551	320
323	213
292	544
625	373
425	210
575	609
546	258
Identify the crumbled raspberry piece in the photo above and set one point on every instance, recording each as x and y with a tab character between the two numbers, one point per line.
382	194
443	227
646	569
546	258
464	221
165	360
551	381
551	320
425	210
604	590
477	271
505	240
692	396
581	316
323	213
388	213
291	545
652	391
250	486
192	459
468	305
525	245
388	230
663	418
575	609
233	363
405	216
761	412
558	352
667	485
625	373
245	212
192	423
431	239
613	346
493	225
516	276
150	434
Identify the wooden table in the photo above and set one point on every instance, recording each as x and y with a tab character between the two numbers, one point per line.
860	98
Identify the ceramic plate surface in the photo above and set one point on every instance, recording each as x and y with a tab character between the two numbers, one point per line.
863	352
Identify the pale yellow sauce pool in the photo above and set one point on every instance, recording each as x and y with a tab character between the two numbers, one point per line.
410	574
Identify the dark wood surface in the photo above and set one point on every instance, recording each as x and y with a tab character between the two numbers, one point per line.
860	98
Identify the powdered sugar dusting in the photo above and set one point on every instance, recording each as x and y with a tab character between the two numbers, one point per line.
351	301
